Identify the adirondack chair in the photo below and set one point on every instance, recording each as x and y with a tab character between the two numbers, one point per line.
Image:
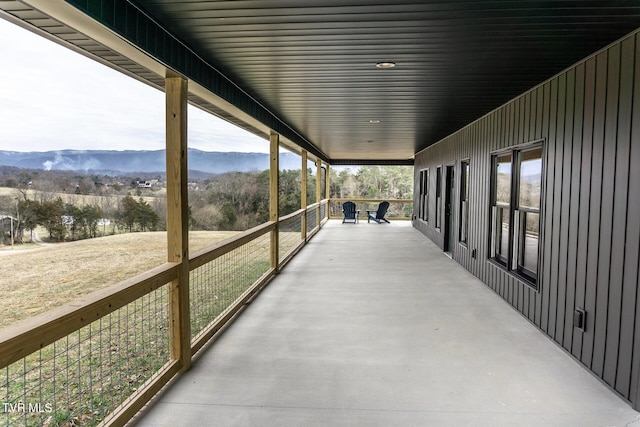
350	213
380	213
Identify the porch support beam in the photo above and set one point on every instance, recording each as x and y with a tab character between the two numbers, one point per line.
318	189
274	185
177	218
326	181
327	187
303	195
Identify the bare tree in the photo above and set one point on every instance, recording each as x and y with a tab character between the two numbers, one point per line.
207	217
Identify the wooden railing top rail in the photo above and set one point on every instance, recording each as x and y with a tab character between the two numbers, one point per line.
316	204
209	253
32	334
292	215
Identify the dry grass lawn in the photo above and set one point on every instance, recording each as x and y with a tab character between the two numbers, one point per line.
80	199
34	281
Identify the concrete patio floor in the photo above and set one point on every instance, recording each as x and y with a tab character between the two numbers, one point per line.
371	325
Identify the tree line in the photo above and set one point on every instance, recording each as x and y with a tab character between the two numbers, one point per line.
230	201
238	201
66	221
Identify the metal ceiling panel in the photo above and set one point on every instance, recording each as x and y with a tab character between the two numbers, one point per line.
312	63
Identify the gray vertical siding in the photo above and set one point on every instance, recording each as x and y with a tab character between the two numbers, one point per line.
589	119
630	352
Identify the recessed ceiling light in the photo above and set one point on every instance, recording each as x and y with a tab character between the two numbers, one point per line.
386	64
374	121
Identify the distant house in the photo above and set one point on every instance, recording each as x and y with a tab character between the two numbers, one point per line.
6	226
5	221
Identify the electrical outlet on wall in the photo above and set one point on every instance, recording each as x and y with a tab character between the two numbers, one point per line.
580	318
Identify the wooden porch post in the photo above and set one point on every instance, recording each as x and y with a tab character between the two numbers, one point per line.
318	189
274	185
303	195
327	187
177	218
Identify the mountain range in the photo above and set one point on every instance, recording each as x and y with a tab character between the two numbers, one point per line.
113	162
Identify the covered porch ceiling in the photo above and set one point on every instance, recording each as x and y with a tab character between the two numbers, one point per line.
307	69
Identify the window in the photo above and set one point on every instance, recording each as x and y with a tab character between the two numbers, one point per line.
464	201
423	211
515	214
438	197
501	207
528	213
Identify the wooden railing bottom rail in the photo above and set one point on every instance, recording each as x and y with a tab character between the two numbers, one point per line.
127	410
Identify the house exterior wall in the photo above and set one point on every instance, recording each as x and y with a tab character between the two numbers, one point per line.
589	119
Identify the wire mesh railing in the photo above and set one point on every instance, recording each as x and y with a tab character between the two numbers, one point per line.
323	210
88	374
100	360
312	218
223	276
290	234
216	285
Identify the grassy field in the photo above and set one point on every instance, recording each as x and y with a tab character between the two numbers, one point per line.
81	200
38	278
86	375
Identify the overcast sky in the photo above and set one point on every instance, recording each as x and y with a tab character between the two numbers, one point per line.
52	98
